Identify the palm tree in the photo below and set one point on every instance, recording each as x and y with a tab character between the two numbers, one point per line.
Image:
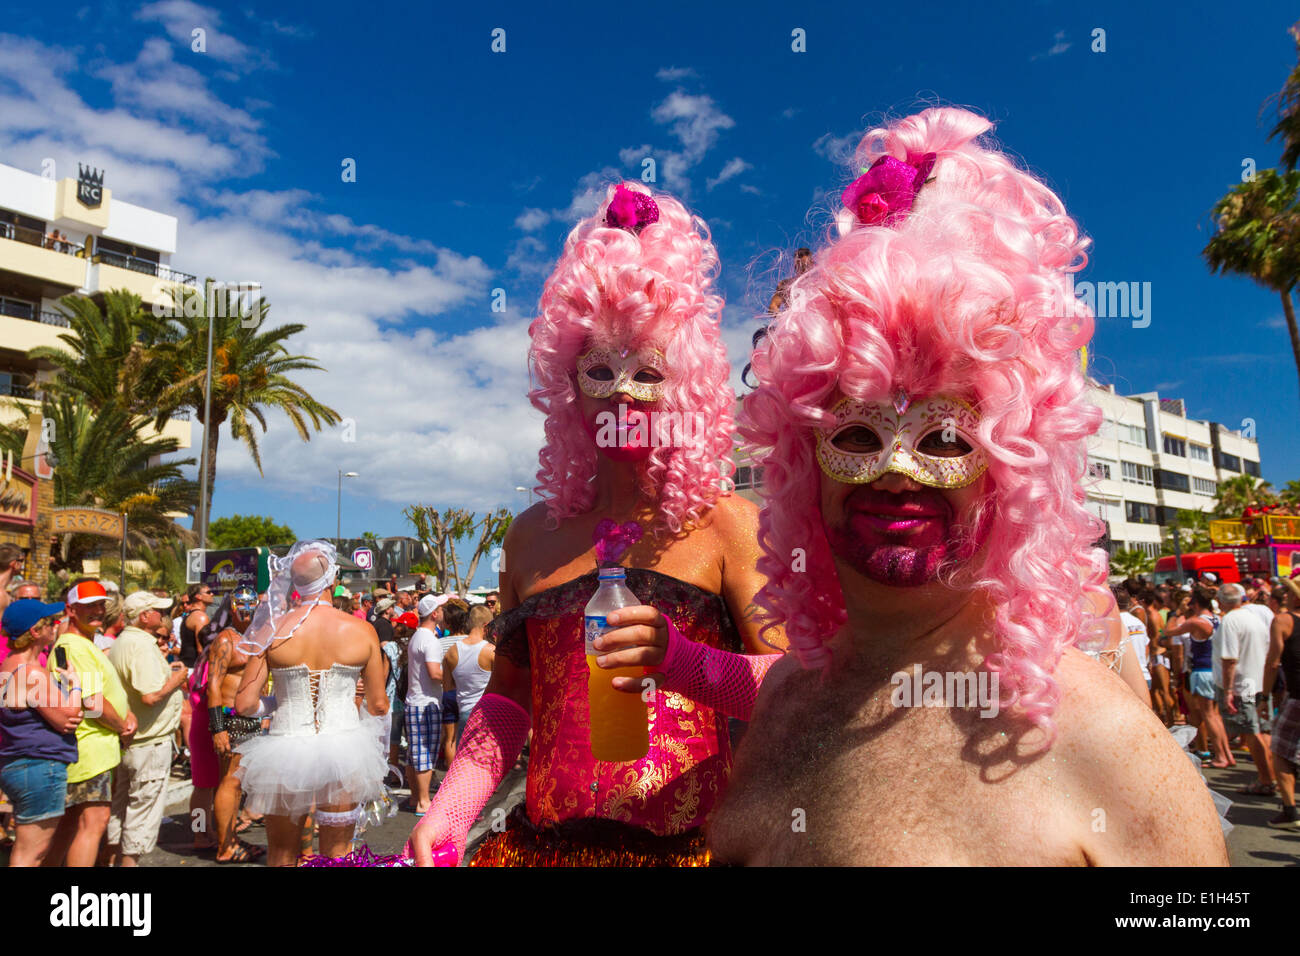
1257	234
250	366
1130	562
107	459
1290	495
166	561
110	356
1193	533
1287	101
1237	492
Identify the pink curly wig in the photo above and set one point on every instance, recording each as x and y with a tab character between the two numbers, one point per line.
967	297
613	287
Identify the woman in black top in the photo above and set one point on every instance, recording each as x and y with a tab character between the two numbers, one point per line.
1284	657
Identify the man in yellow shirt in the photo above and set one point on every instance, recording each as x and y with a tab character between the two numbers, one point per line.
153	688
99	737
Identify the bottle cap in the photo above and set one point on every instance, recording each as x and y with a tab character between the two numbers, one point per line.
617	572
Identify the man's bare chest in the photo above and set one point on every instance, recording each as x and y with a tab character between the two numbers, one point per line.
865	786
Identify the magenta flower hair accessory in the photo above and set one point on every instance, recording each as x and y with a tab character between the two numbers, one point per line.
613	539
884	194
631	210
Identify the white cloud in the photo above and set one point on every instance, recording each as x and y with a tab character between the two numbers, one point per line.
1057	48
838	149
440	415
733	169
694	119
529	258
180	18
673	74
531	220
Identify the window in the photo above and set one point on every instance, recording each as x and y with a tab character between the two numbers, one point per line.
1149	548
1198	452
1133	434
1229	462
17	308
1098	469
748	476
1251	467
1172	481
1175	446
1204	486
1138	512
1137	474
1167	515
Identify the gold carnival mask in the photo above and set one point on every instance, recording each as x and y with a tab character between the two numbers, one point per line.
931	442
640	374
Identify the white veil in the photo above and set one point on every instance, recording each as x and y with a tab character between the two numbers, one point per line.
283	612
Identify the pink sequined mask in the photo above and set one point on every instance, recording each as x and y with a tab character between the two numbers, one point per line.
932	442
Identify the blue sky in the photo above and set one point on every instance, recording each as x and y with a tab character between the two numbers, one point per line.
473	165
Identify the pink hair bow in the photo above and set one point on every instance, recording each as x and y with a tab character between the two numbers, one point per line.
631	210
612	539
885	193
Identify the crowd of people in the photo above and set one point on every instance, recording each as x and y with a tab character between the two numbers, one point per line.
1218	657
105	699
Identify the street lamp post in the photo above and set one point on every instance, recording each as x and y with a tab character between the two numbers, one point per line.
529	490
207	414
338	529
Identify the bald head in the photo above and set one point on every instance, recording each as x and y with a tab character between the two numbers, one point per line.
307	570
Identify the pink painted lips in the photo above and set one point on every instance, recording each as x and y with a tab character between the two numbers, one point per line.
897	519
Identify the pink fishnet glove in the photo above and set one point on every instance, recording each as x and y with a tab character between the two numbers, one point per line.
726	682
493	739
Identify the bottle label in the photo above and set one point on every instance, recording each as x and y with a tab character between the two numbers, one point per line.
593	627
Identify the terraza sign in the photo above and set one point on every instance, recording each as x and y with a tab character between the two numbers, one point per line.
87	521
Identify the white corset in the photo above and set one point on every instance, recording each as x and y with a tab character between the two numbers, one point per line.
309	702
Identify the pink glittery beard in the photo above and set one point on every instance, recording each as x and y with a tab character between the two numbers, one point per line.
901	539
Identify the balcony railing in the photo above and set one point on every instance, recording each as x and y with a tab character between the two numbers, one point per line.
17	309
34	237
14	390
146	266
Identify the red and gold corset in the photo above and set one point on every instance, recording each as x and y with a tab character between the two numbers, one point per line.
677	783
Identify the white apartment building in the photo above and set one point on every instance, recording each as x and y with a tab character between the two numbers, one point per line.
59	237
1148	461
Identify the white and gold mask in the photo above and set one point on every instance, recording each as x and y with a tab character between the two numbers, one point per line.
932	442
640	374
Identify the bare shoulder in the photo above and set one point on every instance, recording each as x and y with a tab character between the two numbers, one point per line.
526	524
353	626
778	685
1151	806
733	513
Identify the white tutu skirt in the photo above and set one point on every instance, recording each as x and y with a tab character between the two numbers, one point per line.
288	775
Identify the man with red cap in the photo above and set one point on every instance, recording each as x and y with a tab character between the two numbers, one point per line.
100	737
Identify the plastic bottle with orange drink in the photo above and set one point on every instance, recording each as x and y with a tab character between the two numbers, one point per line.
620	723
